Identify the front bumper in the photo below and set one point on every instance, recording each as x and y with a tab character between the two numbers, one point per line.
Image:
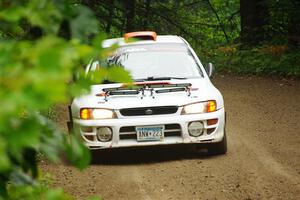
212	134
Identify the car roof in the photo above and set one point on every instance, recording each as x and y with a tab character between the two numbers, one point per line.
160	39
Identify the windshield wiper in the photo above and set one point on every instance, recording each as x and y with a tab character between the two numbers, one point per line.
153	78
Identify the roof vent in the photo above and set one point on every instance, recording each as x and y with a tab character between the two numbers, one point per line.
141	35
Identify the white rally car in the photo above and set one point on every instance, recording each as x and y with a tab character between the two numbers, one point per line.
172	100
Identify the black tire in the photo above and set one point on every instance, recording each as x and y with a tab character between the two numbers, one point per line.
218	148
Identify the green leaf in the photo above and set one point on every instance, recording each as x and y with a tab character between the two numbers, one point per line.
77	153
19	178
25	134
118	74
52	140
83	19
12	14
44	14
55	194
4	160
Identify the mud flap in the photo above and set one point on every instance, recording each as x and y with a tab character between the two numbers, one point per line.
70	127
70	123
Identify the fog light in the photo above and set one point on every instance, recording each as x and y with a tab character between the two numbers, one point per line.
196	129
104	134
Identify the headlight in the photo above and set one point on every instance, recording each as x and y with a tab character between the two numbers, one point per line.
96	113
201	107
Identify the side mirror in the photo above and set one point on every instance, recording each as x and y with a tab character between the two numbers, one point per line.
210	69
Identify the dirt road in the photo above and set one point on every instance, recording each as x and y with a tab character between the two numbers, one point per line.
263	160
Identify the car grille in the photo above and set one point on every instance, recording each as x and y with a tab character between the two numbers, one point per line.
128	132
149	111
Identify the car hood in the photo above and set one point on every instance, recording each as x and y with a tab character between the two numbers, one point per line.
200	89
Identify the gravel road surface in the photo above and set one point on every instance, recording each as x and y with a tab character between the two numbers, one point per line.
263	159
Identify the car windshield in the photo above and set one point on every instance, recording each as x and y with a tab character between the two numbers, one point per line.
157	61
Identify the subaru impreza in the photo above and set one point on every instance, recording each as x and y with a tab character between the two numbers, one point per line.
172	100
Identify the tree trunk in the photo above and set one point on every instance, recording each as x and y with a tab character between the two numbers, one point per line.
294	24
146	17
130	14
254	18
110	17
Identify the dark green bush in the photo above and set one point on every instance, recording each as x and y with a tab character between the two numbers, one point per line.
263	60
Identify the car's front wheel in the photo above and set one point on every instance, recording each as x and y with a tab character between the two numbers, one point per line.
219	147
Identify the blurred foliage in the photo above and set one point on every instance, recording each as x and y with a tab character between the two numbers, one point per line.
43	46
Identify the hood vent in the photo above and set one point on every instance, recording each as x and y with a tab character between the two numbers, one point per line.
140	88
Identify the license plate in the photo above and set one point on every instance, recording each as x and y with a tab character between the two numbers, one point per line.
150	133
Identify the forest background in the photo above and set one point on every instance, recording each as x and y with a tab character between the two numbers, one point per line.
240	36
